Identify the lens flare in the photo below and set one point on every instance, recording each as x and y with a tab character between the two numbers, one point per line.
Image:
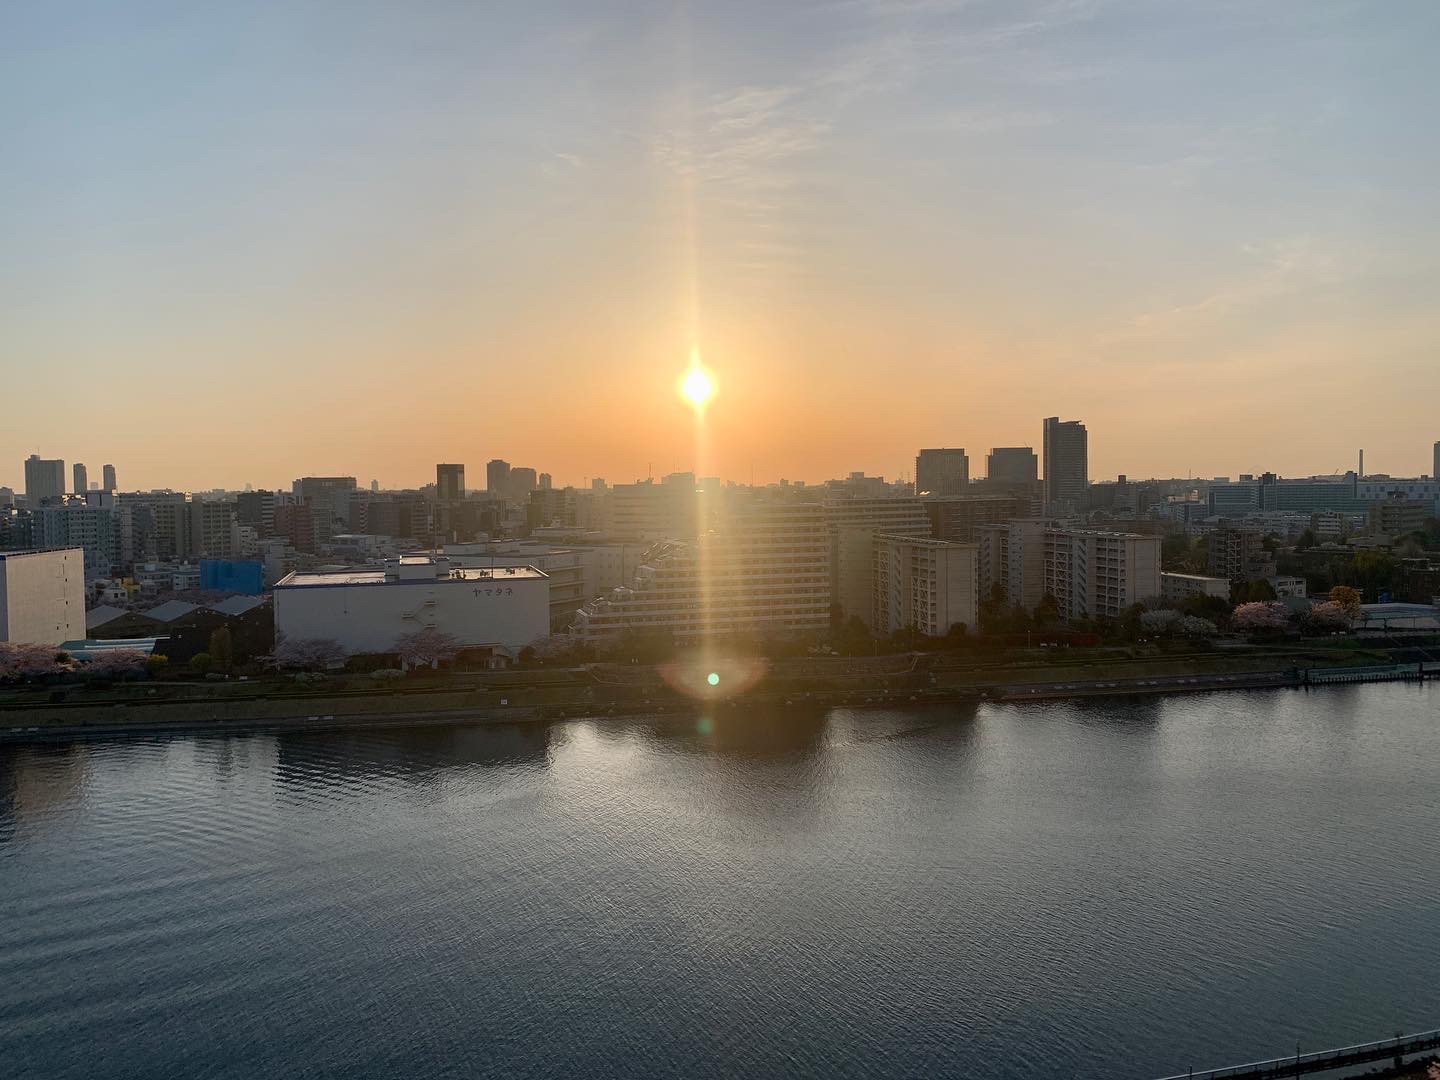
706	676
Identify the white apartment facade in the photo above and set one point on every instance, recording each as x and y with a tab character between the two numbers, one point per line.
925	585
1176	587
1096	574
1091	573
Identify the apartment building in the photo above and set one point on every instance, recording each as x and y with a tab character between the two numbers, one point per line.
765	570
924	584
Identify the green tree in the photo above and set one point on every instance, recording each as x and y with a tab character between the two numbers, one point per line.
201	662
222	649
1047	612
1258	591
1375	572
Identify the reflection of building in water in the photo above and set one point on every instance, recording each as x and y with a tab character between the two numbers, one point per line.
36	781
413	755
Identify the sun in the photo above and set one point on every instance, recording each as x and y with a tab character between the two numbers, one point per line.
697	387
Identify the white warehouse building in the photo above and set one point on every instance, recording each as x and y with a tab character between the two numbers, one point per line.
368	610
42	596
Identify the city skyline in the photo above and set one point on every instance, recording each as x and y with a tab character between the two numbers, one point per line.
1432	451
882	224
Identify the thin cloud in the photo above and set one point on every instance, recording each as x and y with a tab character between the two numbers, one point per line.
1285	268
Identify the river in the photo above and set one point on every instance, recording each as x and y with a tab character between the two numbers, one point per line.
1116	888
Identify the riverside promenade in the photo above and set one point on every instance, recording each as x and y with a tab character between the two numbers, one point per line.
597	694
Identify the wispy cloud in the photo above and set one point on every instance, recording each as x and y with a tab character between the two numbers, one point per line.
1278	269
744	147
987	120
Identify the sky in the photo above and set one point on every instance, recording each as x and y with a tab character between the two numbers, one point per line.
241	243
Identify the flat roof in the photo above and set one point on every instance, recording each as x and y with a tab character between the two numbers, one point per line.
17	553
308	579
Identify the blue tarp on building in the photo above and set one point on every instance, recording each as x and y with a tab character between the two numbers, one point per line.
232	575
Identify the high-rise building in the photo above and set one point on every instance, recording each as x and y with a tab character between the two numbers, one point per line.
44	479
1011	466
649	511
296	523
161	524
520	483
1435	466
497	475
330	496
107	473
81	477
545	482
257	510
449	482
214	533
1067	464
942	472
103	530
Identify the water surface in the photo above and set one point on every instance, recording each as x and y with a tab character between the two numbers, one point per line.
1095	889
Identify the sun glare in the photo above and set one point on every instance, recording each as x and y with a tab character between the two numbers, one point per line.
697	387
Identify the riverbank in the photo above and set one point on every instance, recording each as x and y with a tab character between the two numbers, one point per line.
558	696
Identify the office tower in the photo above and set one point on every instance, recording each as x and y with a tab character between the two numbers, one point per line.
1067	468
546	482
942	472
1435	466
374	486
519	483
330	495
497	472
1012	466
44	479
449	482
81	477
107	473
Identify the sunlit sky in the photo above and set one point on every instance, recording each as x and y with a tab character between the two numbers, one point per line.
246	242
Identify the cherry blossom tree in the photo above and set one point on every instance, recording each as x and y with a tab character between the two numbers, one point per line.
306	654
115	663
22	660
427	647
1159	622
1328	616
1261	616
